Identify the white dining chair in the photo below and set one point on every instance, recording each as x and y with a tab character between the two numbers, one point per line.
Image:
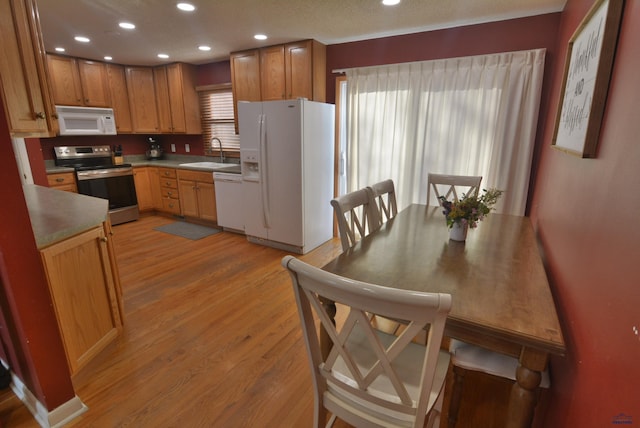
371	378
467	357
452	185
355	215
384	195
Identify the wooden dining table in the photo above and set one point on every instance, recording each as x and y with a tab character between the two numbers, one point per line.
501	296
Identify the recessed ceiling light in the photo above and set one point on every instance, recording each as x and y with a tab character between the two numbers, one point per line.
82	39
127	25
163	56
390	2
59	49
204	48
260	37
108	58
187	7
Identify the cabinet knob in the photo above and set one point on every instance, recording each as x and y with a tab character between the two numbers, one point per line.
103	239
59	180
40	115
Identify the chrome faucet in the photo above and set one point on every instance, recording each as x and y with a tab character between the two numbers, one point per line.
220	144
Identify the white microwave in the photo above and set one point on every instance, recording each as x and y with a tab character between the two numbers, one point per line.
86	120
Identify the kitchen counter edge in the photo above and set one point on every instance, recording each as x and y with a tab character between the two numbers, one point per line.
57	215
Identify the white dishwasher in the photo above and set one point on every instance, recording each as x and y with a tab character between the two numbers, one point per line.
229	200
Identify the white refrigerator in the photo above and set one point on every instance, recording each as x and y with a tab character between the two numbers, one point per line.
287	158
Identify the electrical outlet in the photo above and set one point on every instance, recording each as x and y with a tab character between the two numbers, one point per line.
173	147
187	148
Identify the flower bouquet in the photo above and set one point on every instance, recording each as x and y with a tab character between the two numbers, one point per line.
470	210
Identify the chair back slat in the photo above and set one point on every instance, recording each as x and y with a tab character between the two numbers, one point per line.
454	185
354	216
384	195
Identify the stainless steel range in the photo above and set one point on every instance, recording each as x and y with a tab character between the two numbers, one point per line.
98	176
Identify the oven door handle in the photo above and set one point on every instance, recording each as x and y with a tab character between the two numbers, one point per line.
95	174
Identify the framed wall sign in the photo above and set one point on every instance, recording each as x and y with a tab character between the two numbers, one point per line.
586	79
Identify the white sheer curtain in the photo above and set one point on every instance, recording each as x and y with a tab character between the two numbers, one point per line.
467	116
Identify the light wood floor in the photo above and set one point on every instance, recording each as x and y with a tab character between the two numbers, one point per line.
211	339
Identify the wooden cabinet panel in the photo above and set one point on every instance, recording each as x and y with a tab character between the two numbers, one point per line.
298	70
162	98
65	80
78	82
142	181
178	103
169	191
117	83
185	103
245	78
197	194
142	99
83	291
25	89
94	83
63	181
272	73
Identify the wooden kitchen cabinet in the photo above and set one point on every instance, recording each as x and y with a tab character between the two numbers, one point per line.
78	82
27	101
305	70
272	75
169	192
144	191
197	194
279	72
142	100
245	78
178	103
63	181
117	83
84	292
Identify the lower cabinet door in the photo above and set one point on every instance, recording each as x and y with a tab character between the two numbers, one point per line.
83	291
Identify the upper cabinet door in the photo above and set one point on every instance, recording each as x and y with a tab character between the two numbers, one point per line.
272	73
142	99
119	97
245	78
94	83
298	68
22	77
65	80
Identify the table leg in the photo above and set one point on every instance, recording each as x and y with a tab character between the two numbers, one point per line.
524	393
325	341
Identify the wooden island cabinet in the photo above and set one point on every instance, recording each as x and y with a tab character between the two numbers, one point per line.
83	290
73	235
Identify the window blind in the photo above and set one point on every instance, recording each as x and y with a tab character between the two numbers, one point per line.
216	108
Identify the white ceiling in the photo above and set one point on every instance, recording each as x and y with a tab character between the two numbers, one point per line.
229	25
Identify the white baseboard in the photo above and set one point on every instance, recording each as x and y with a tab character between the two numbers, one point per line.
47	419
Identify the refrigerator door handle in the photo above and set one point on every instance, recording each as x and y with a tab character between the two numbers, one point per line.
264	173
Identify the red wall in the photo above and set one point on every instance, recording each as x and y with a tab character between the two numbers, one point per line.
585	214
35	351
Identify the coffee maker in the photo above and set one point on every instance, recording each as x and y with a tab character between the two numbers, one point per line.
155	149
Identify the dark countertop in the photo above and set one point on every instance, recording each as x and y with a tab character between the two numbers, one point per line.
168	161
57	215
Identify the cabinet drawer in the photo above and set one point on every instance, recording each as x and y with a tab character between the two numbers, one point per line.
171	205
170	183
61	179
168	192
166	173
204	177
